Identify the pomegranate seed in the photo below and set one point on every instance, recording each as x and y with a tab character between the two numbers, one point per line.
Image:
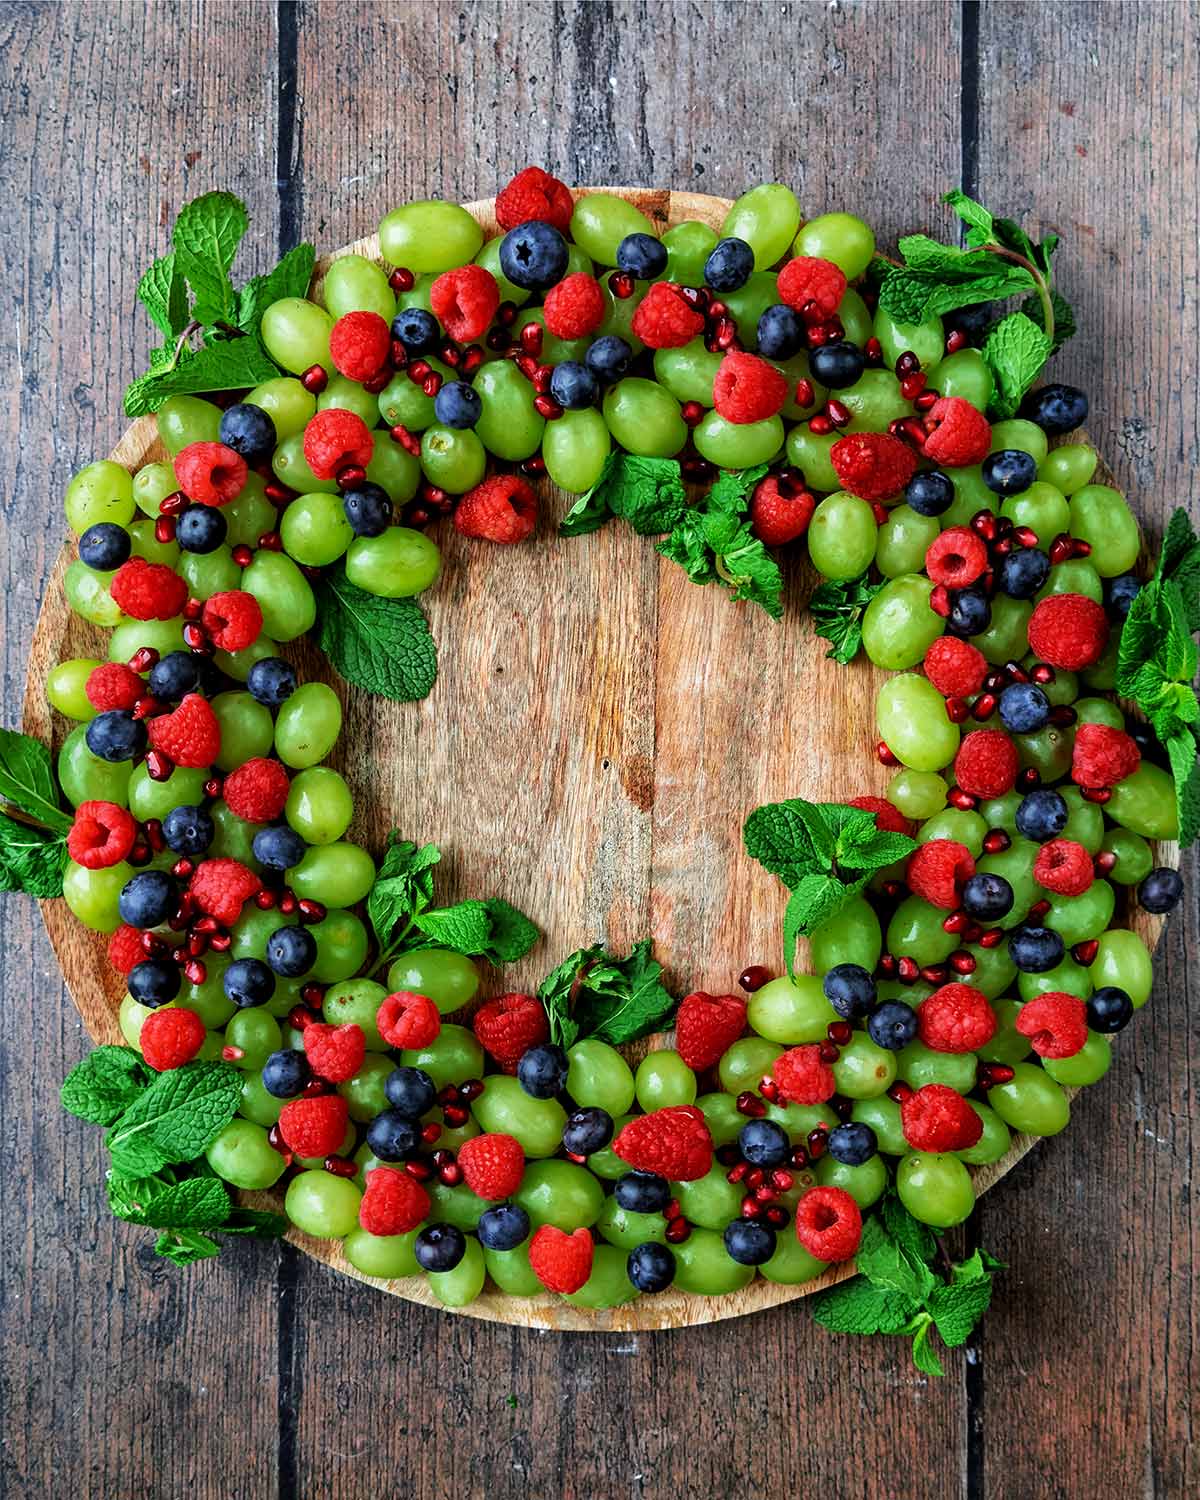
816	1141
220	943
432	383
873	351
270	541
276	1143
887	966
894	890
197	944
378	382
960	799
279	494
750	1208
754	978
451	1174
750	1104
340	1166
1063	716
736	1173
621	285
697	299
451	355
152	944
232	1054
147	708
839	1033
956	339
194	971
821	425
410	443
265	900
912	385
927	399
1062	548
883	755
983	523
242	555
838	413
805	395
174	504
420	1170
143	659
1039	909
907	364
955	922
754	1177
542	377
992	938
775	1215
164	530
935	974
498	340
310	911
799	1158
1080	548
300	1016
963	962
697	470
899	1092
1085	953
1029	779
769	1089
313	994
158	765
547	407
765	1193
471	360
1104	862
351	476
455	1115
782	1181
532	337
1043	674
972	933
314	380
401	279
985	706
1026	536
828	1052
958	710
1098	794
678	1230
692	413
939	600
907	971
287	903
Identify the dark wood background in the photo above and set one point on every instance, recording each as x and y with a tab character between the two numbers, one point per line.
263	1375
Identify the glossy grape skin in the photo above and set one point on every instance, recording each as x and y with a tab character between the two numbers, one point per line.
187	419
746	1062
618	316
87	594
1041	507
429	236
1031	1102
508	425
555	350
992	1144
314	530
307	726
511	1271
1145	803
155	799
918	1065
560	1193
970	495
355	284
286	402
290	467
240	1154
767	217
1080	918
451	458
606	1163
92	894
965	374
1100	516
1089	1064
319	805
144	544
935	1189
396	471
809	452
151	485
341	942
732	445
283	593
866	1184
608	1284
386	1257
994	970
337	874
1017	432
662	1079
747	304
1102	677
455	1205
842	536
343	394
575	449
84	777
1068	977
66	685
791	1265
644	418
703	1266
295	333
851	936
710	1201
1123	960
917	794
460	1286
1069	467
505	1107
912	720
1075	576
898	626
452	1057
449	979
1048	751
925	339
875	400
842	238
356	1002
1008	632
794	370
883	1116
1135	858
915	931
855	317
257	1104
600	222
256	1033
209	573
790	1011
864	1070
397	564
323	1205
625	1229
688	373
959	824
247	729
688	247
903	540
1015	864
237	664
101	491
404	403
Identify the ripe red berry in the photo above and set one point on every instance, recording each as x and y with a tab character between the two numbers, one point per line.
508	1026
221	887
335	438
986	764
394	1202
359	344
802	1076
335	1053
873	465
888	819
829	1223
956	1018
663	319
955	667
315	1126
779	515
1055	1023
575	307
956	558
1064	867
233	619
492	1165
113	685
502	509
561	1262
938	1118
408	1020
190	736
706	1026
102	835
937	871
675	1142
1069	631
534	194
748	389
812	287
170	1038
465	301
958	434
148	591
210	473
258	790
1102	755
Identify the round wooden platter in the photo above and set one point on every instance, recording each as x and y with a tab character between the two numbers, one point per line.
599	730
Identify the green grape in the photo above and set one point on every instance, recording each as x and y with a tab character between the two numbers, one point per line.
155	799
1001	812
92	894
875	400
1102	677
767	217
899	626
1075	576
809	452
746	1062
66	687
850	936
364	1093
855	317
286	997
966	375
1088	1065
747	304
319	805
295	333
1068	978
247	729
448	979
1018	433
918	1065
307	726
970	495
733	445
721	1115
257	1034
460	1287
844	239
131	1017
396	471
257	1104
626	1229
508	425
554	349
664	1078
790	1011
1099	711
795	370
284	595
451	1138
1069	468
1048	751
504	1106
87	594
314	530
287	404
608	1284
992	1144
1135	858
209	573
1016	865
1100	517
925	339
1042	507
994	970
883	1116
151	485
418	295
453	1056
343	394
619	314
237	664
320	1204
355	284
964	827
145	544
791	1264
644	418
800	1120
385	1256
703	1266
1085	820
1062	689
452	458
397	564
866	1184
935	1189
232	837
560	1193
356	1002
241	1154
841	542
430	236
290	467
688	373
1031	1101
864	1070
710	1201
337	874
403	403
341	941
84	777
912	720
183	420
600	222
605	1163
575	449
903	540
688	247
456	1205
208	998
916	931
511	1271
1122	959
489	258
917	794
1145	803
1008	632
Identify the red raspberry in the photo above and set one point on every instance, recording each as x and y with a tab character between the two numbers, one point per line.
829	1223
359	344
492	1165
1055	1023
812	287
802	1077
956	1018
257	791
335	438
955	667
888	819
534	194
1103	755
210	473
873	465
1064	867
335	1053
221	887
561	1262
125	948
938	870
394	1202
113	685
233	619
169	1038
938	1118
191	736
575	307
961	434
747	389
408	1020
501	509
148	591
465	300
673	1142
986	764
663	320
956	558
777	518
102	835
705	1026
314	1127
508	1026
1068	631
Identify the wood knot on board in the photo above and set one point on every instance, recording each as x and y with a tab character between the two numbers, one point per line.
637	779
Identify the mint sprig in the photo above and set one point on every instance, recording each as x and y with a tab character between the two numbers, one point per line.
837	609
593	993
713	543
33	825
646	492
383	646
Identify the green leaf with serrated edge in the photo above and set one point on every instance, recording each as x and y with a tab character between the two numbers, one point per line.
559	988
687	546
1015	351
973	214
816	899
290	278
513	934
855	1306
787	839
206	237
957	1309
750	572
229	366
1179	561
647	492
1064	317
403	886
922	253
884	1262
175	1118
629	1007
163	293
27	780
1181	752
916	1239
194	1203
923	1356
849	827
1010	234
591	509
732	489
381	645
183	1247
255	1221
881	850
837	610
31	859
465	927
104	1084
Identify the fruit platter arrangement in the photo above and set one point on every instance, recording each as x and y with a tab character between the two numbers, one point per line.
300	1035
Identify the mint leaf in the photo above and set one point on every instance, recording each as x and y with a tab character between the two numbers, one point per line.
31	859
591	509
560	989
183	1247
163	294
923	1356
175	1118
752	573
290	278
1015	351
855	1306
403	886
646	492
1179	562
27	780
207	234
732	489
958	1308
104	1084
688	546
229	366
817	898
594	994
837	609
877	851
914	1238
883	1261
1181	752
1064	317
1010	234
788	838
978	220
466	927
255	1221
380	645
194	1203
513	934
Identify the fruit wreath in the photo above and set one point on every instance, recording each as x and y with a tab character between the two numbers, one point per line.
303	1019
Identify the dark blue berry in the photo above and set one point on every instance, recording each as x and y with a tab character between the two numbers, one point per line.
929	494
279	848
748	1243
188	830
1023	708
1109	1009
837	365
651	1267
177	673
573	385
587	1130
457	405
200	529
147	899
729	264
892	1025
393	1136
105	546
642	1192
271	681
286	1073
250	431
763	1143
1161	891
1122	592
970	612
248	982
1035	950
608	358
542	1072
439	1247
418	330
291	951
852	1143
780	332
1022	572
534	256
1056	408
987	897
410	1092
116	736
1042	815
368	509
1009	471
850	990
642	256
153	982
504	1227
973	321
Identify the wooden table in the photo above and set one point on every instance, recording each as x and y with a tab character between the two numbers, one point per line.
262	1374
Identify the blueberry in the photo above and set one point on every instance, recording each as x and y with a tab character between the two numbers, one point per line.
763	1143
367	509
534	256
573	385
1056	408
148	899
410	1092
970	612
250	431
1144	737
1035	950
105	546
248	982
1022	572
291	951
504	1227
439	1247
780	332
608	358
457	405
929	494
393	1136
153	982
837	365
1009	471
1161	891
188	830
587	1130
271	681
177	673
1122	592
892	1025
1109	1009
279	848
850	990
729	264
542	1072
286	1073
200	529
852	1144
987	898
1042	815
418	330
116	736
642	1192
642	256
972	321
1023	708
748	1243
651	1267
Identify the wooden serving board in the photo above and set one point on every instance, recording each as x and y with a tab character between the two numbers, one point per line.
599	731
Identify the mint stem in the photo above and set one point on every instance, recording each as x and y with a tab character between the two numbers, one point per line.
1043	289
